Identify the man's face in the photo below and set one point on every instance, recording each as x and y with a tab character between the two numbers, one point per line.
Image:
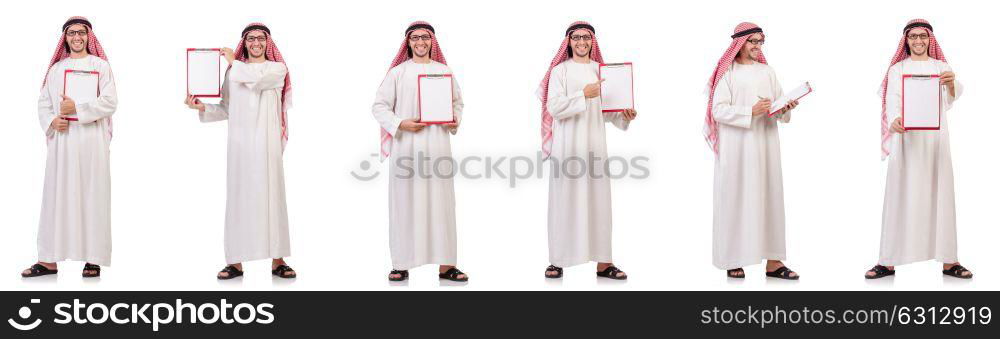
420	43
256	43
751	48
76	38
917	39
581	40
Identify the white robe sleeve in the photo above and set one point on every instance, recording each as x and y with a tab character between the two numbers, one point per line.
949	99
271	76
723	109
778	92
617	119
106	103
893	94
385	104
220	111
562	105
46	113
456	103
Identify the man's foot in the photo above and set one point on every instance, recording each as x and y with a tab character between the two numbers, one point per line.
451	273
40	269
777	269
230	271
736	273
880	271
280	269
91	270
399	275
956	270
553	272
608	270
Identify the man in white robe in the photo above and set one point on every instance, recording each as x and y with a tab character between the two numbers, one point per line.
75	221
421	207
748	209
573	129
918	214
255	98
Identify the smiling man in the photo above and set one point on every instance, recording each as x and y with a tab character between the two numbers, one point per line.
749	207
573	128
255	98
918	213
421	208
75	222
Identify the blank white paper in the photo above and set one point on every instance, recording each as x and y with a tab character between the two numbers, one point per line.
435	98
203	72
616	90
81	86
921	102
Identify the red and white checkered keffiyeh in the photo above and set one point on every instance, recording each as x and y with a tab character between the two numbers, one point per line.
93	46
711	126
562	54
402	56
902	52
271	53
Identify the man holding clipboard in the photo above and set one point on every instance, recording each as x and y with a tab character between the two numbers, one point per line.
418	107
920	190
256	96
573	128
77	100
748	223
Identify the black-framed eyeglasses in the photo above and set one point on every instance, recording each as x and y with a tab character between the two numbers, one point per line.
585	37
923	36
425	37
756	42
76	33
251	39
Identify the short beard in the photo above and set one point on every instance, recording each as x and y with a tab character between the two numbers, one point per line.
587	55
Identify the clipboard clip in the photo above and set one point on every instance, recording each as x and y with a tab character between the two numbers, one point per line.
618	64
435	75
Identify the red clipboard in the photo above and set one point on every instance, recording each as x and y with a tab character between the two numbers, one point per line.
187	75
903	106
631	85
71	71
808	85
420	105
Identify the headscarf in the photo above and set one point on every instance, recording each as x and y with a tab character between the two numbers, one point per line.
741	34
562	54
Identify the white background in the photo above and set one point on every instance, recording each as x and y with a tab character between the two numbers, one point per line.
168	169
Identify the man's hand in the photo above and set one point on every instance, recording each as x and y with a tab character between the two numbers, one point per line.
228	53
60	124
763	106
452	126
897	126
411	125
194	103
948	79
629	114
592	90
67	106
788	107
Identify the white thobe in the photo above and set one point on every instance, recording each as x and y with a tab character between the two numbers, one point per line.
749	208
421	207
75	221
256	214
918	214
579	188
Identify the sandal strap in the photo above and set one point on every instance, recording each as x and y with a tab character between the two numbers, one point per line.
958	269
283	268
553	268
782	271
732	272
453	272
231	270
880	270
39	268
611	271
91	267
